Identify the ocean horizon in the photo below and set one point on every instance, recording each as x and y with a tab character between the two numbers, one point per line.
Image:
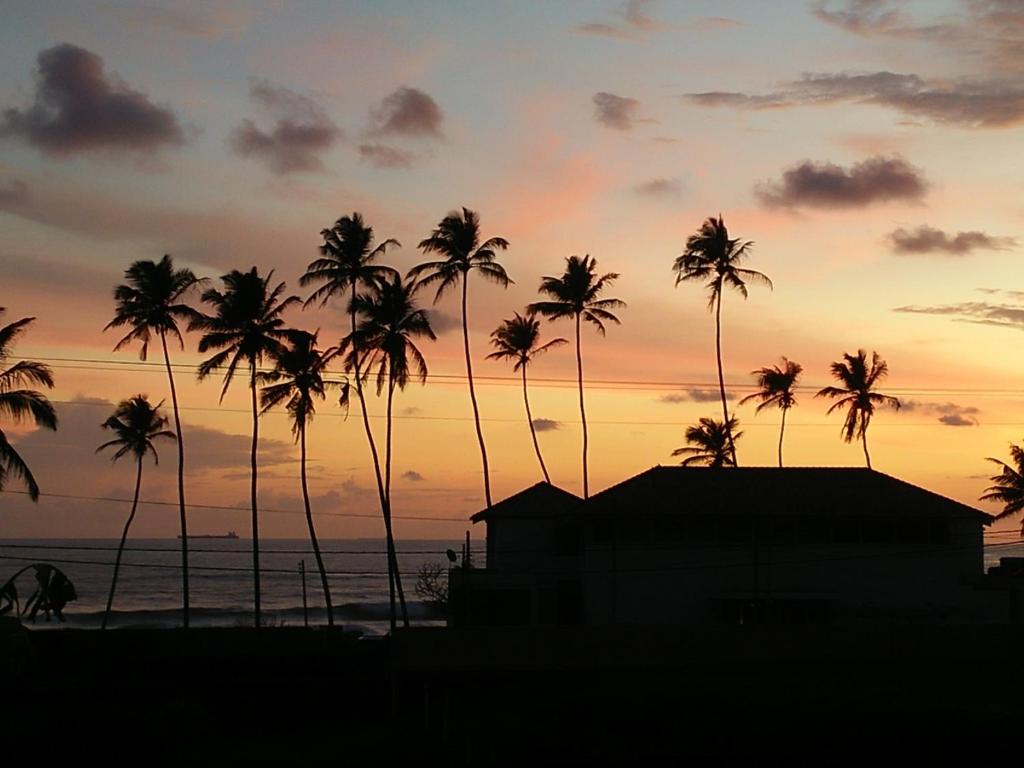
220	580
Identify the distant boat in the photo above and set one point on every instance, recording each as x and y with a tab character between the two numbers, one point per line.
228	535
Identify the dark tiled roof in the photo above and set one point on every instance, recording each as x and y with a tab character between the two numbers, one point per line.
773	490
540	500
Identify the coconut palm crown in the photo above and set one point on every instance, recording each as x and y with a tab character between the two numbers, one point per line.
246	326
576	295
775	386
1008	485
150	302
385	337
713	256
857	394
21	402
709	443
457	240
136	423
518	340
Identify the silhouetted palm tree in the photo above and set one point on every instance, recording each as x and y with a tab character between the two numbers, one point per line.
389	324
575	294
346	265
713	256
856	395
518	340
710	443
775	387
137	423
457	240
1008	485
246	327
297	380
21	404
150	302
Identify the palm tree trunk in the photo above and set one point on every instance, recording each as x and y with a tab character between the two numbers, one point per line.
120	547
392	554
312	530
782	432
864	440
583	413
472	392
384	501
721	376
181	485
255	516
533	432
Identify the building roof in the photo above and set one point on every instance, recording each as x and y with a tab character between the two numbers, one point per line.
774	490
538	501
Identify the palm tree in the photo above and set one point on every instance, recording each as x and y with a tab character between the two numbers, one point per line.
21	404
856	394
457	240
710	443
136	424
150	302
713	256
245	326
575	294
389	324
518	340
297	380
775	387
1008	485
346	265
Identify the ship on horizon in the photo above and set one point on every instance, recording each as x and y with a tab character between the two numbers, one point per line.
228	535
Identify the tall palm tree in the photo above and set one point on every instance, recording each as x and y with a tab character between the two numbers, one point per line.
297	380
21	403
713	256
1008	485
390	322
710	443
136	423
775	387
518	340
345	266
457	240
150	303
856	395
246	326
575	294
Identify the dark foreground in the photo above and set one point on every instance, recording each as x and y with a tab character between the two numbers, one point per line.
568	696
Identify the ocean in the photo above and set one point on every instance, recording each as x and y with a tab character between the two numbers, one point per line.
220	580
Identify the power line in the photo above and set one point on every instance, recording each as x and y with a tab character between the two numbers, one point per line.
620	422
79	497
141	366
192	550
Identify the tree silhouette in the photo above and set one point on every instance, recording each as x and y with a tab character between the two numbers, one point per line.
149	302
575	294
518	340
775	387
711	443
389	324
297	381
856	395
246	327
20	403
1008	485
136	424
713	256
345	266
457	240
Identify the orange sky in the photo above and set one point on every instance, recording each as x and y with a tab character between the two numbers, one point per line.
872	129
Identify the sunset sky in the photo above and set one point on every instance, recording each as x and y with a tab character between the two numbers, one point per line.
870	149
